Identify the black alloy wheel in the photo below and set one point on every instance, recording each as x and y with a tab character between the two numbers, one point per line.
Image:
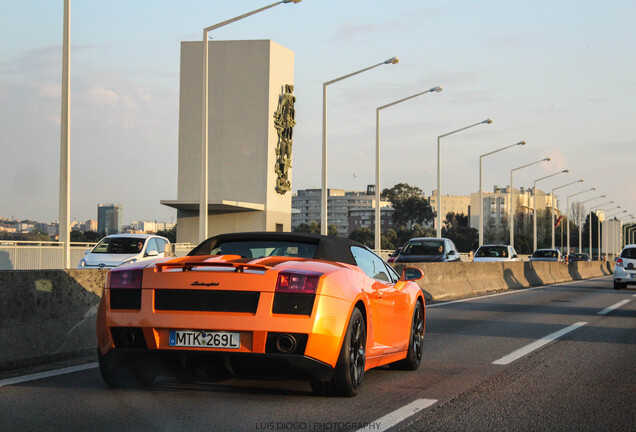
416	342
349	372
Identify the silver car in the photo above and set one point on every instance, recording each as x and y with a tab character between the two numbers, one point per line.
118	249
625	268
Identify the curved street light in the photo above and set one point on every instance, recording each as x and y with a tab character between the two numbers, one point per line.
581	223
598	228
511	216
203	203
552	207
567	209
323	203
481	189
534	207
439	171
378	226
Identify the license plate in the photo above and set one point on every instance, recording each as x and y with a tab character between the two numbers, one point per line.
205	339
633	275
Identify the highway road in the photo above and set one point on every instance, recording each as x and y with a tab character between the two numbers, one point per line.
561	357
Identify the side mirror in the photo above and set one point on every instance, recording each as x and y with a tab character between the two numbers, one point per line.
515	256
152	253
411	274
451	252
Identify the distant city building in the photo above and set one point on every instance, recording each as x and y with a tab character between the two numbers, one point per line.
496	205
150	227
458	204
339	203
365	218
89	225
109	218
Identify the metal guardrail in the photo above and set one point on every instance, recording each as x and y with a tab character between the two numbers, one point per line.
38	255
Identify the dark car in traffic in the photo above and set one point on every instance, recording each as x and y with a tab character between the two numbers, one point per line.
578	257
428	249
546	255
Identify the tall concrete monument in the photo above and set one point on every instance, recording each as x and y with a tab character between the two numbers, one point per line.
251	120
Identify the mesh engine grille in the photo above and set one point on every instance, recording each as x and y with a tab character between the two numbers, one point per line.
206	301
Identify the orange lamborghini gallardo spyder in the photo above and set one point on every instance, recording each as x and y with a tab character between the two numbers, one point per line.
261	305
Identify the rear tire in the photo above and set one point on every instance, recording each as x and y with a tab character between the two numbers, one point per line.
349	372
416	342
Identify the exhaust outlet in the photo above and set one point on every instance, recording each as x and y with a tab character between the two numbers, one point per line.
286	343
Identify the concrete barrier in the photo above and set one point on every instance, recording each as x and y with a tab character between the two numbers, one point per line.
46	315
451	281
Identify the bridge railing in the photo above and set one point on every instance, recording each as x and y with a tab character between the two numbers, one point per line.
38	255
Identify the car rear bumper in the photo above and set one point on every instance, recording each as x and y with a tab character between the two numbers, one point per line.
219	364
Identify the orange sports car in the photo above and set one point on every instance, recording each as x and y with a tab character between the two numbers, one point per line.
261	305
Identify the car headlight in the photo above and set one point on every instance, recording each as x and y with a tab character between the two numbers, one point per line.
82	263
128	261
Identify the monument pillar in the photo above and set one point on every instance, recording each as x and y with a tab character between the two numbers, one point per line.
249	135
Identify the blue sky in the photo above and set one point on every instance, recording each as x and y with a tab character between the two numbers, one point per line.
560	75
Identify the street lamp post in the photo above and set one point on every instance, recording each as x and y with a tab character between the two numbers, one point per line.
378	226
511	217
481	189
581	223
203	204
598	228
64	222
323	204
534	207
439	172
552	207
567	209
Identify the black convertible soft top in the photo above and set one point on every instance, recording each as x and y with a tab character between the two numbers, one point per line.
329	248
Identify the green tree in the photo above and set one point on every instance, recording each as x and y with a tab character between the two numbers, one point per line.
363	235
409	204
170	234
456	229
314	228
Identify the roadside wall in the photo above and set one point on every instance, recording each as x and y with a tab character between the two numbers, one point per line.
46	315
450	281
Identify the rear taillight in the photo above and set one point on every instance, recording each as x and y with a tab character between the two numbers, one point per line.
125	278
298	281
619	262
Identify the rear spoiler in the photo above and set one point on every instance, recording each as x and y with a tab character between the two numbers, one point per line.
188	263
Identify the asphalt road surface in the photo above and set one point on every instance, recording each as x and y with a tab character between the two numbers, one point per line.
561	357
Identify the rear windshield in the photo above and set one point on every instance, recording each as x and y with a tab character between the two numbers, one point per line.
492	252
119	245
423	247
258	249
544	254
629	253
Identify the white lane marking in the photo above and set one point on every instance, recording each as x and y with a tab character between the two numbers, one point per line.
47	374
612	307
520	290
537	344
400	414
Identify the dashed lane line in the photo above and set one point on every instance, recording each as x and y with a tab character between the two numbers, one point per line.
612	307
47	374
399	415
536	344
